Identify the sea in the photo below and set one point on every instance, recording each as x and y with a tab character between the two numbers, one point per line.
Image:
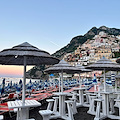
15	80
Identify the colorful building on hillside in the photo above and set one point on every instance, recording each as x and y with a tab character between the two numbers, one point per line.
103	52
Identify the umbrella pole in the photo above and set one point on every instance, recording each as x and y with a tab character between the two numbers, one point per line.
62	81
59	82
24	81
80	80
115	85
104	81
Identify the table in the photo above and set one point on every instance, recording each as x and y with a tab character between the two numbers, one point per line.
23	109
81	96
62	96
105	97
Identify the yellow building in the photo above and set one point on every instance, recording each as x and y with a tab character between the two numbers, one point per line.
77	51
103	52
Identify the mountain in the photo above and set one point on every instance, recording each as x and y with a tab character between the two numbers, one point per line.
76	41
38	71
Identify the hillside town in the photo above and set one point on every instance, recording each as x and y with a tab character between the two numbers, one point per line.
93	49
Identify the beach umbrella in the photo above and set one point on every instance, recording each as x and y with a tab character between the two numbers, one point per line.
26	54
0	91
20	82
2	87
104	64
94	82
18	89
51	75
113	79
61	67
29	87
90	81
10	86
86	82
45	84
109	82
14	85
40	85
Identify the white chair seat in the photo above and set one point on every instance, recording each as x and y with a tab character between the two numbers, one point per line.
1	117
45	114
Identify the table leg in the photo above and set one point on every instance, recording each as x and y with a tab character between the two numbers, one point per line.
60	105
81	98
63	105
17	109
88	98
105	106
24	113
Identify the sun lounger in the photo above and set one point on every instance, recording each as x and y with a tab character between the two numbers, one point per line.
9	97
38	98
36	95
4	108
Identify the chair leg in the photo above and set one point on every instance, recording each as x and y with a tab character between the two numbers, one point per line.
49	105
70	112
74	107
112	105
55	105
91	108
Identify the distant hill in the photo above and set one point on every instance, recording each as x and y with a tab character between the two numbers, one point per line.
76	41
37	72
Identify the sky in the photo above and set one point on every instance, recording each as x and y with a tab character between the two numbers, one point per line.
51	24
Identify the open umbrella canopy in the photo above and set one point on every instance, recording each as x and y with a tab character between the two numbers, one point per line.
104	63
35	56
26	54
82	69
61	66
79	69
